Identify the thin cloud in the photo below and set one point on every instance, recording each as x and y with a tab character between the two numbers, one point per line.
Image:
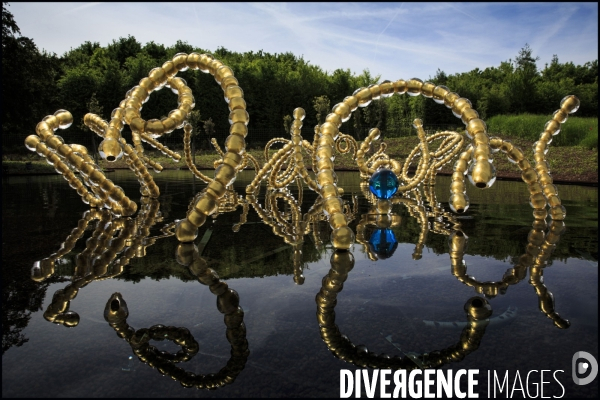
79	8
416	40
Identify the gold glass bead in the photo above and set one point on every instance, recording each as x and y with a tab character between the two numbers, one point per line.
299	114
468	114
107	185
203	62
439	92
232	159
515	155
186	231
537	200
414	86
337	220
52	121
169	69
550	190
560	116
386	88
327	177
222	73
529	176
334	119
147	84
459	106
32	141
178	117
540	214
192	60
233	92
342	238
450	98
478	308
351	102
483	152
217	188
168	124
225	174
130	114
364	96
328	190
206	205
461	166
482	174
237	103
459	202
235	144
324	163
65	119
180	61
384	207
140	93
552	127
329	129
427	90
400	86
375	92
110	150
324	152
333	205
457	187
239	128
239	115
158	76
569	104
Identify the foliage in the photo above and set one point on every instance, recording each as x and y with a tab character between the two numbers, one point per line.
274	85
28	79
527	126
321	106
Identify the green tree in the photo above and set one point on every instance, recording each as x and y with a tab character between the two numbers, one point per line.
28	79
287	123
321	106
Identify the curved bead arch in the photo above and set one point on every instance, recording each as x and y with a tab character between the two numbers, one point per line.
482	171
476	161
129	113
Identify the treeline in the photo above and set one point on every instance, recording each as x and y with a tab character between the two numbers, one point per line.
95	78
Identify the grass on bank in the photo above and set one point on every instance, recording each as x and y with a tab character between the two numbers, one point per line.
577	131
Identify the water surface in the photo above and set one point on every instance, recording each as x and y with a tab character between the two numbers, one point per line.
399	306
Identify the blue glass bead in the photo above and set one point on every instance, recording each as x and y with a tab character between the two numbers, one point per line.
384	183
383	242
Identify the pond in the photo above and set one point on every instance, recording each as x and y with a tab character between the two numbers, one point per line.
402	301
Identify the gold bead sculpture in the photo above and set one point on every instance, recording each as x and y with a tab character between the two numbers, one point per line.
386	176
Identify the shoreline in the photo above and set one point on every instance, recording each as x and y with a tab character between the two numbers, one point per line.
499	176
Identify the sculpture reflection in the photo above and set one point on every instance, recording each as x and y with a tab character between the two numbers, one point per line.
478	311
112	237
116	314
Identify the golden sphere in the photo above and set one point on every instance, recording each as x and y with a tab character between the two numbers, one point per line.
185	231
65	119
299	113
342	238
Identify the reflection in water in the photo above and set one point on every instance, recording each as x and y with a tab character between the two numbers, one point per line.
97	261
478	311
115	241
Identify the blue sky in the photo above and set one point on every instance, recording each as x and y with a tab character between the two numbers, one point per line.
394	40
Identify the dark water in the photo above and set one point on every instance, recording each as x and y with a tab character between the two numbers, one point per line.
399	306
